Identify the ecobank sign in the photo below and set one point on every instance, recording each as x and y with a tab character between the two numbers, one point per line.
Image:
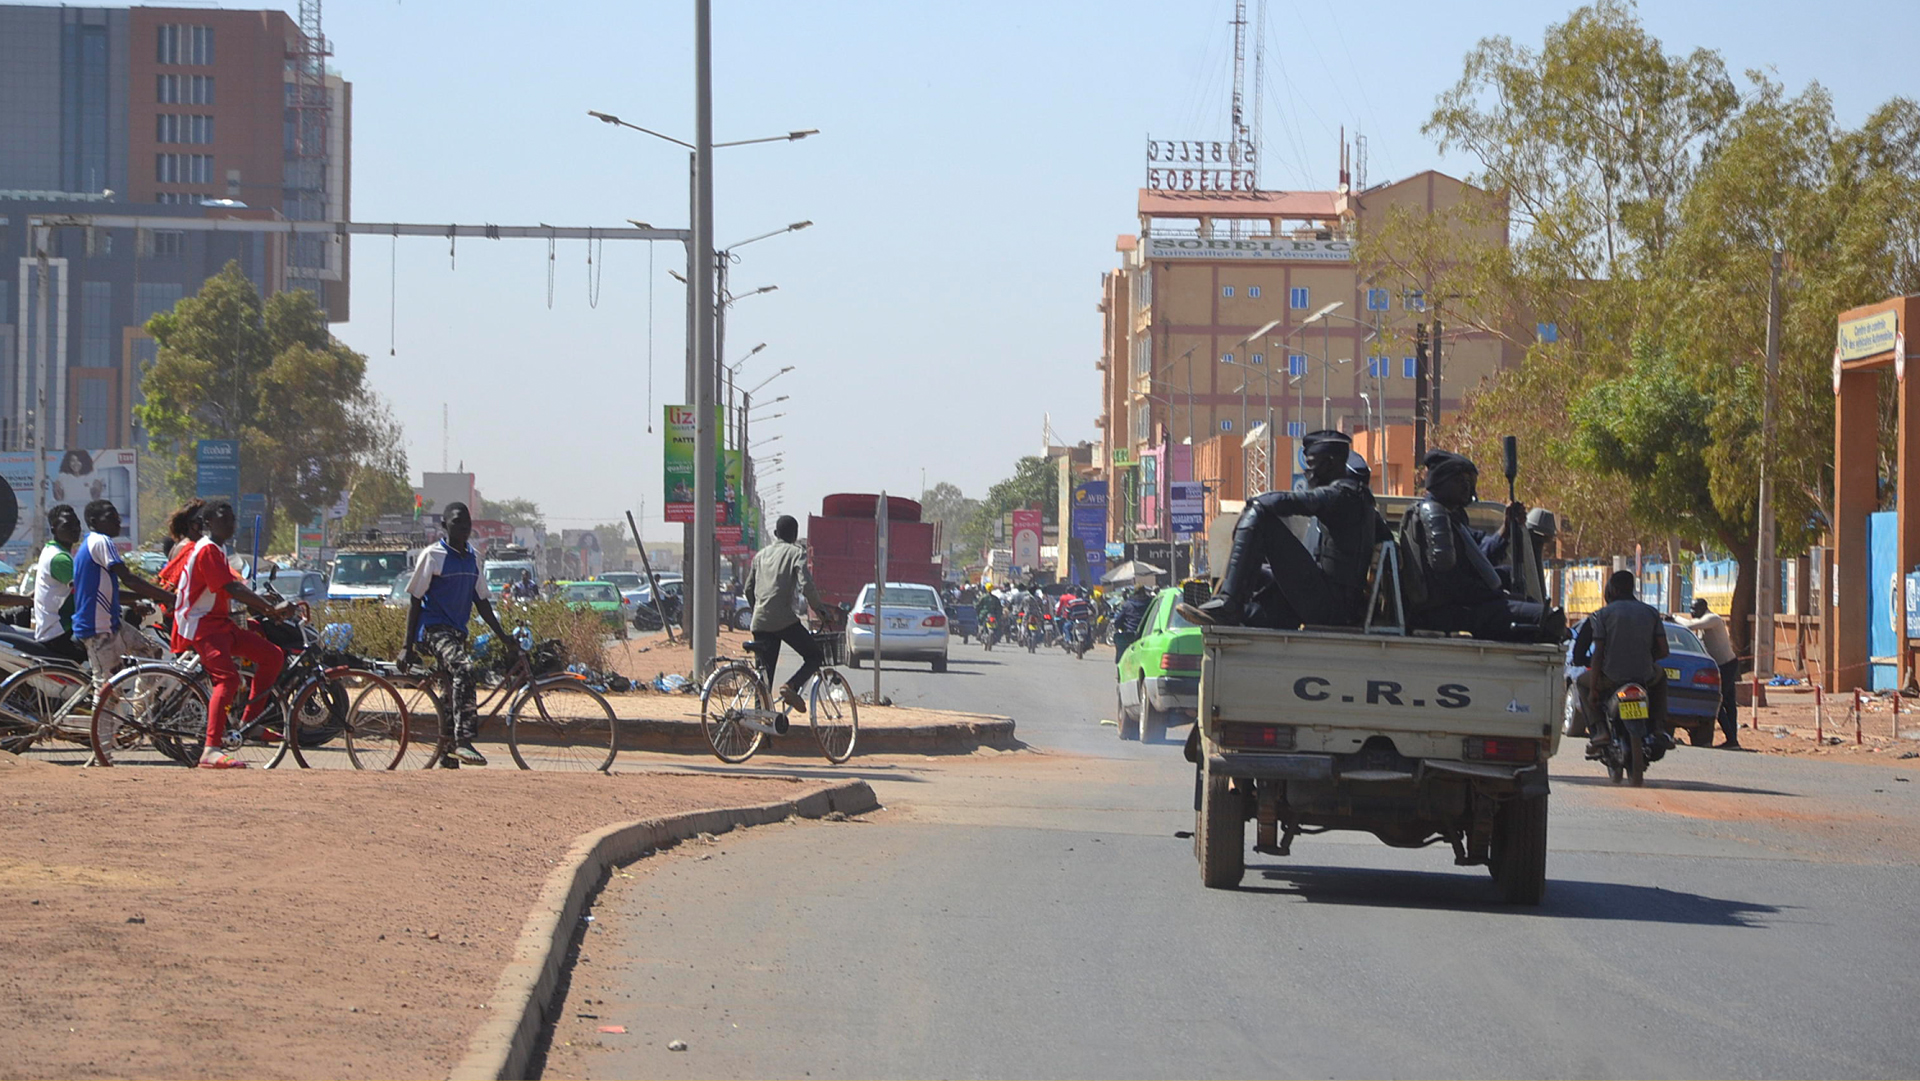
1251	249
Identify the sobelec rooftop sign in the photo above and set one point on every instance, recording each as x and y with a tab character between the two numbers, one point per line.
1250	248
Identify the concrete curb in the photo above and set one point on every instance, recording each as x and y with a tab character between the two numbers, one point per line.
950	737
503	1047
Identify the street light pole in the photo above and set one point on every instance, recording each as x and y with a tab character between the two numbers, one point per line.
705	577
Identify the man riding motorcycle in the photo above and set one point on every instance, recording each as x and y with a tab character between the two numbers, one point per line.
1622	643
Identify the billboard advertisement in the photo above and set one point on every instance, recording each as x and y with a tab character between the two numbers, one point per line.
1026	539
1187	504
1090	526
677	458
217	470
73	477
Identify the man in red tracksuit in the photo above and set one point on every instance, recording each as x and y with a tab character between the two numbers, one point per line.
203	623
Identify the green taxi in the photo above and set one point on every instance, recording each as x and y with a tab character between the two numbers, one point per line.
1158	674
602	598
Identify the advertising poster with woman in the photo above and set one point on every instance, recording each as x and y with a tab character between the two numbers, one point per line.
74	477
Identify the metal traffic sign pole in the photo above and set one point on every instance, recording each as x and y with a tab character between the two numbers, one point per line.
879	585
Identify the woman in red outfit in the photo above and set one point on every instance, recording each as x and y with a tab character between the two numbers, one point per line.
203	623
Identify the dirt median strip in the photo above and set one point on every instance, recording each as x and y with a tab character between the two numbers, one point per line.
525	996
163	922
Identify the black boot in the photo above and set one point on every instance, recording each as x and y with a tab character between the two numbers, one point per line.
1228	606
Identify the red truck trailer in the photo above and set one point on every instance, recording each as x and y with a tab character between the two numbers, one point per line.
841	544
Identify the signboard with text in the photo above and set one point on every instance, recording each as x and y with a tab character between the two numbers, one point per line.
1187	506
1861	338
1249	249
1026	539
1201	165
677	459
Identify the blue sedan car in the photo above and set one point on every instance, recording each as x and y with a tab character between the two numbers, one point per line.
1693	688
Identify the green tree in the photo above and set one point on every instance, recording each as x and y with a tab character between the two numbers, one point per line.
946	504
518	513
1647	197
1035	483
269	375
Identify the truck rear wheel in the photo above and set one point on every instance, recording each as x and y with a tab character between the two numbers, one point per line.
1220	834
1519	851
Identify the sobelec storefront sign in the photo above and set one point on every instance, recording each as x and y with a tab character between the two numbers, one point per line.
1250	249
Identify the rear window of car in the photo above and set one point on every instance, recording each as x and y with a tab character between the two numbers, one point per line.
1682	640
903	597
589	592
1175	620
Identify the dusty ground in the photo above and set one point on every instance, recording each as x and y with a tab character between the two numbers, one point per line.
1788	725
171	923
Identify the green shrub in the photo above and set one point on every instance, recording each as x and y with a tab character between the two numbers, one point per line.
379	628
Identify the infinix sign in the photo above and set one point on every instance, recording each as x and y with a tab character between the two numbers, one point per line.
1251	249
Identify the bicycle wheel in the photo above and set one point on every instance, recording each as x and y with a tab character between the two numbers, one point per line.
835	715
560	723
421	708
145	702
730	689
41	703
265	743
371	719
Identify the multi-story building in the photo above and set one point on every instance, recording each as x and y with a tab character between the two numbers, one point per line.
157	114
1229	309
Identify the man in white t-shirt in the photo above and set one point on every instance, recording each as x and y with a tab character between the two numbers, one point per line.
53	587
1712	631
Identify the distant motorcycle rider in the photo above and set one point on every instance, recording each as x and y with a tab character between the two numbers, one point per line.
1324	583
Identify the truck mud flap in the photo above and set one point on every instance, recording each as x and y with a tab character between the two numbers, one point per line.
1278	767
1191	751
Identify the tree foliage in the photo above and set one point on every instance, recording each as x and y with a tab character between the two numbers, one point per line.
1646	192
271	376
1035	483
518	513
946	504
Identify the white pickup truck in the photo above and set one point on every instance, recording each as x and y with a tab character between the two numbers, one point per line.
1417	739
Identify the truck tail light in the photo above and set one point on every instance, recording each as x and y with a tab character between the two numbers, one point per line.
865	619
1260	737
1489	749
934	621
1707	677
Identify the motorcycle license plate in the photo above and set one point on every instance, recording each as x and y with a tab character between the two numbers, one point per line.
896	623
1633	711
1673	673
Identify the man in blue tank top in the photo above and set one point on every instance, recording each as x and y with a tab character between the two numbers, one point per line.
446	587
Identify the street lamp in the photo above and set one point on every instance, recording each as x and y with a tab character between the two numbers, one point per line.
769	439
769	379
703	354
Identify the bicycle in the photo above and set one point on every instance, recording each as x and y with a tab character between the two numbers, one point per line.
50	700
555	721
737	714
322	695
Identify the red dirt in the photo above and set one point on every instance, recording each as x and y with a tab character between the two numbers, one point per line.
314	924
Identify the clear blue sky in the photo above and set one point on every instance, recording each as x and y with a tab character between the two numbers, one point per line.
975	163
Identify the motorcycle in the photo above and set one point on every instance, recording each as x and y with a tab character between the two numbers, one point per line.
1035	632
1078	637
1636	740
989	631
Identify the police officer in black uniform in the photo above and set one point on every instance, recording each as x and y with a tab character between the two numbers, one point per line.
1451	582
1325	585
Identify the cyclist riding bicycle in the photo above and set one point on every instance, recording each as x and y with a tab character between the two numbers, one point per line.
203	623
777	579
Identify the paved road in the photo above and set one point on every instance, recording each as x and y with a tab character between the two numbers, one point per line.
1033	914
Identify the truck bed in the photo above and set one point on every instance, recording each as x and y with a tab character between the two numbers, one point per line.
1338	689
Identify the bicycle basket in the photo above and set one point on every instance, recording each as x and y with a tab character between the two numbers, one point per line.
832	646
548	657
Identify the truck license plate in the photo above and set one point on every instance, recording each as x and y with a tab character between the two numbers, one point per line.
1633	711
1672	673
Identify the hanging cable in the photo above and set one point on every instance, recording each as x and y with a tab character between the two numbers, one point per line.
650	337
549	271
593	271
451	241
393	291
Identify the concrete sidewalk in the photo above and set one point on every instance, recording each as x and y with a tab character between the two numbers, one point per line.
653	721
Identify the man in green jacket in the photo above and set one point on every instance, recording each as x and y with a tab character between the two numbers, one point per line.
777	578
